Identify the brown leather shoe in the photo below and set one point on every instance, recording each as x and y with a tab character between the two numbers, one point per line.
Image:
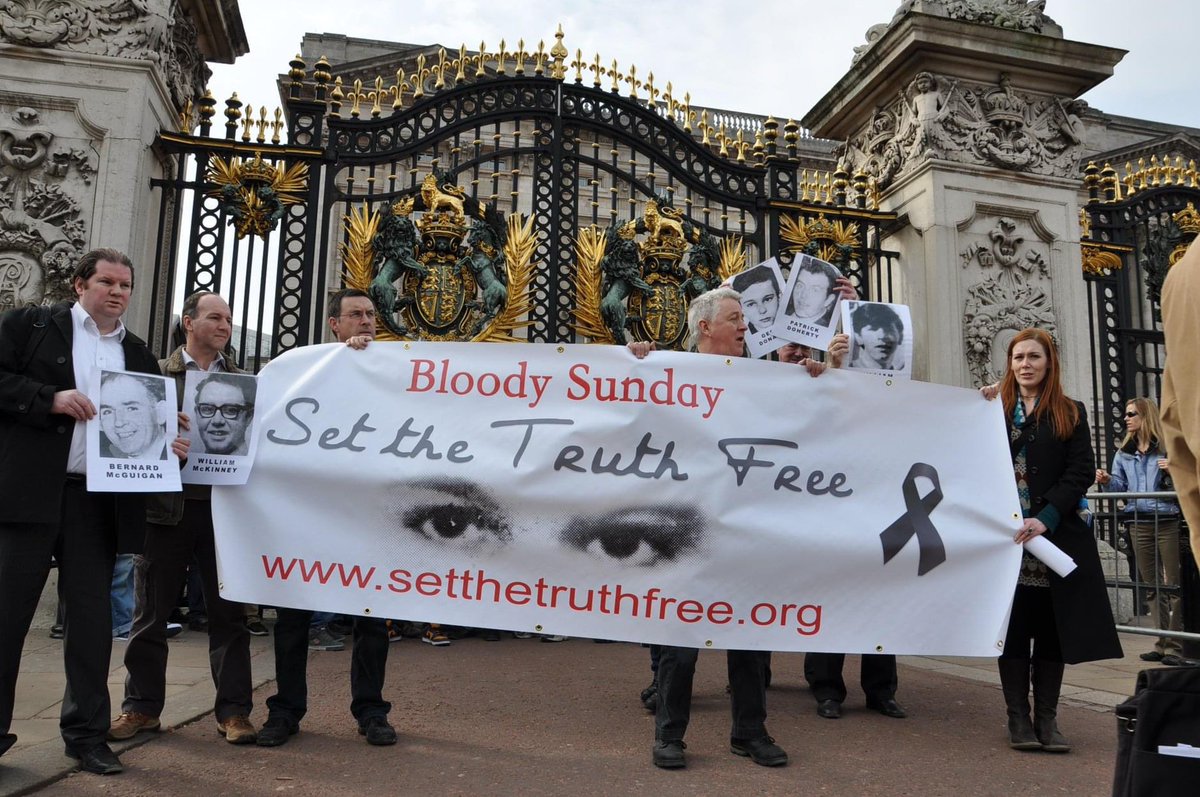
130	723
237	730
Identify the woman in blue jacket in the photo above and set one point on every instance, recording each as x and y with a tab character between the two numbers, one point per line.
1141	467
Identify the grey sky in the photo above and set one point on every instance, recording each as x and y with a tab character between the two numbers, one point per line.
770	56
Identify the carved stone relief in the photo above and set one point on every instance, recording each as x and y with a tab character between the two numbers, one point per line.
46	171
1028	16
937	117
156	30
1009	254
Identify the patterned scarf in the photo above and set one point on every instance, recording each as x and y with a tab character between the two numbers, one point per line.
1033	572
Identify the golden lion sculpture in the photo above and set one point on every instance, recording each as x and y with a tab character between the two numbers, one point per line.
436	200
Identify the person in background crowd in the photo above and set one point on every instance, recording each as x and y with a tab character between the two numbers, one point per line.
1141	467
47	355
1054	620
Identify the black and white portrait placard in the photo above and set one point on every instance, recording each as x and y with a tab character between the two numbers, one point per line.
810	301
761	290
881	338
129	439
221	408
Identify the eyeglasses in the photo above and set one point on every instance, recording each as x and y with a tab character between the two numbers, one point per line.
1131	415
230	412
358	315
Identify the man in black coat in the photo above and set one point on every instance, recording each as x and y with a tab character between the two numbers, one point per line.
46	358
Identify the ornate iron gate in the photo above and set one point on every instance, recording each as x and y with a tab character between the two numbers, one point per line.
489	196
1134	229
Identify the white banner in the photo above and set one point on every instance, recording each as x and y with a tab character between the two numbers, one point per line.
686	499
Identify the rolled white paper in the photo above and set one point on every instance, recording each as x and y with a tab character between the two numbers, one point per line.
1050	555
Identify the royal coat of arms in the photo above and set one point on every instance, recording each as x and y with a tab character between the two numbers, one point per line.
625	285
459	271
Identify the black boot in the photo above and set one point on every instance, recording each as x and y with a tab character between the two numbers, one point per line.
649	696
1047	682
1014	680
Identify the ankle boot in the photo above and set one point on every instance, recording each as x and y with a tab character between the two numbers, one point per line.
1014	680
1047	682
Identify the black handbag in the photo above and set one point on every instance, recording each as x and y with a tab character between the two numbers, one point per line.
1164	711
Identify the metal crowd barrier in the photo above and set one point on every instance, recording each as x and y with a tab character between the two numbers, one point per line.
1133	596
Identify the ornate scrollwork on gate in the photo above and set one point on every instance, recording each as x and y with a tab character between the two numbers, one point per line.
254	193
459	272
646	286
1165	246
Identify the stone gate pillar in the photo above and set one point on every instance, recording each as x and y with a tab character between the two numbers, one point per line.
965	116
87	84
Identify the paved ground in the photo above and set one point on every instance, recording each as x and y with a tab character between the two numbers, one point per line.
525	717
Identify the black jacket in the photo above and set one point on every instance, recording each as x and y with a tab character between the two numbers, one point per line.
1059	473
35	363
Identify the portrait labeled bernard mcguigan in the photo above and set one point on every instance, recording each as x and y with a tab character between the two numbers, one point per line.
221	406
136	422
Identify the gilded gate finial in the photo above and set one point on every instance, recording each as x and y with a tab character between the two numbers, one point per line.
559	53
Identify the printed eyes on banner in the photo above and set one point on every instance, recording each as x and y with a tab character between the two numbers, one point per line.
453	513
637	536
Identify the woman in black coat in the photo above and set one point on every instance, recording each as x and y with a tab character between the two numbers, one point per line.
1054	619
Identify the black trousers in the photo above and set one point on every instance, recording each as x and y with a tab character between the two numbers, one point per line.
368	664
160	573
823	671
1031	625
85	544
747	687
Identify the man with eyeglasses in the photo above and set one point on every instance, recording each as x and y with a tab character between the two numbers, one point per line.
179	531
352	319
224	410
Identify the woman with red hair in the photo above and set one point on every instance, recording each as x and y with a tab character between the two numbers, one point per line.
1054	619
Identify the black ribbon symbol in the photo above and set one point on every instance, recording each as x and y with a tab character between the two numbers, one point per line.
915	521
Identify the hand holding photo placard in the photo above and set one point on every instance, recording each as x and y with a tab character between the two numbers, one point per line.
759	287
221	407
881	337
128	442
810	311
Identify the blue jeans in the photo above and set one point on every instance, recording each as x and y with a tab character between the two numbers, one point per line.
122	595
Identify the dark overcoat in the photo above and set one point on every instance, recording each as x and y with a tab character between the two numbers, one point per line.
1059	473
35	363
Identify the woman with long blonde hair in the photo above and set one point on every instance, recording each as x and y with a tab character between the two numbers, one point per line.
1140	466
1054	619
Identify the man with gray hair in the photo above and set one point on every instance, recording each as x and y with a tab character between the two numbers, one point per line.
715	326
